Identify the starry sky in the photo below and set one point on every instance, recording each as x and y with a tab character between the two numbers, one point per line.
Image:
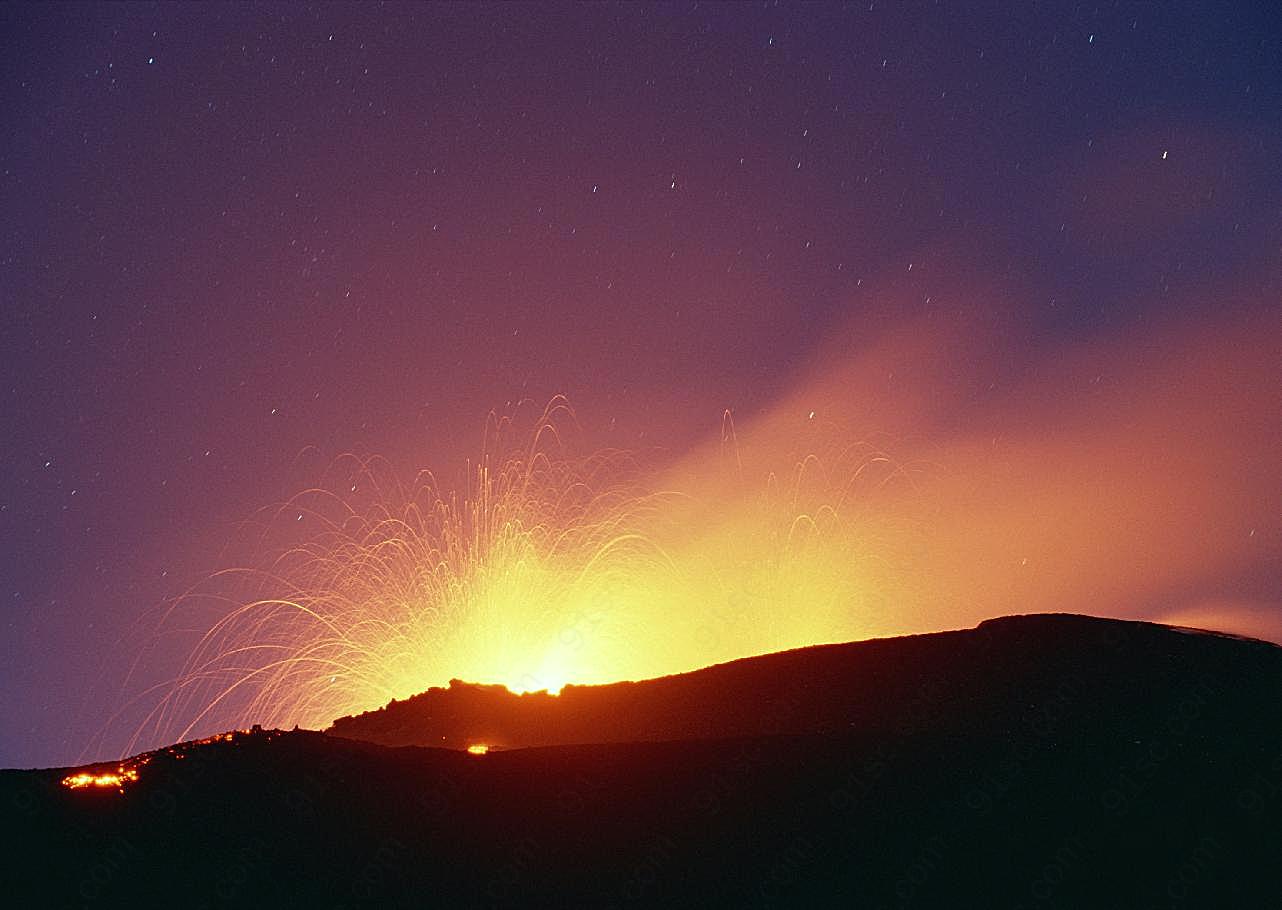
239	240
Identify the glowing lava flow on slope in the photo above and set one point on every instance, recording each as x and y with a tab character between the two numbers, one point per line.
116	779
545	570
126	772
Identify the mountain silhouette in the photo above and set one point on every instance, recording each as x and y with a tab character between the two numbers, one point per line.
1059	664
1035	761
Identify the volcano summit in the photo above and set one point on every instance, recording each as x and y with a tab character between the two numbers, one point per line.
1035	761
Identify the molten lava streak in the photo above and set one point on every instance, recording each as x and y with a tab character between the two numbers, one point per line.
124	773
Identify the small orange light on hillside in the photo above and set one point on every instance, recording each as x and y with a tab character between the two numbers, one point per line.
478	748
122	776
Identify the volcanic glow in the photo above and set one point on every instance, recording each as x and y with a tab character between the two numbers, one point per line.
124	773
544	570
85	779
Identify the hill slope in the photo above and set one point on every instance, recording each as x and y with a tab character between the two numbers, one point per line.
1034	762
1011	667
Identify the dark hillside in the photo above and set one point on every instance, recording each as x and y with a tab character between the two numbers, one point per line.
1034	762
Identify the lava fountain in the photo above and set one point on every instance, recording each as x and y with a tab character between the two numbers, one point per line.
544	569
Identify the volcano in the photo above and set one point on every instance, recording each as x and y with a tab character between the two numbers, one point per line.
1034	761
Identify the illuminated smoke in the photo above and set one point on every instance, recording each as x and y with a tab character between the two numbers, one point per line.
1132	478
545	569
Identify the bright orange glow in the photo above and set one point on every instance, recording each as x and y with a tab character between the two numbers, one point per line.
478	748
124	774
127	771
546	570
789	529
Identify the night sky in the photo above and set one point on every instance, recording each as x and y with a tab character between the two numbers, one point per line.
237	241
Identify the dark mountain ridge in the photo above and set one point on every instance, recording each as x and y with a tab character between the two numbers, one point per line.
1056	660
1045	761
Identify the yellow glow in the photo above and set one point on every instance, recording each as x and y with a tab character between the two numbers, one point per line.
542	568
546	570
122	775
478	748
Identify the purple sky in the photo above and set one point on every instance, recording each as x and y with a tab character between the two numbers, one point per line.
231	234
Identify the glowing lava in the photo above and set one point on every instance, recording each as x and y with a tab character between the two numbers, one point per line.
125	773
544	570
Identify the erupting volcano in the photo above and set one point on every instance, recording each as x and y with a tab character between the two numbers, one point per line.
641	455
544	570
